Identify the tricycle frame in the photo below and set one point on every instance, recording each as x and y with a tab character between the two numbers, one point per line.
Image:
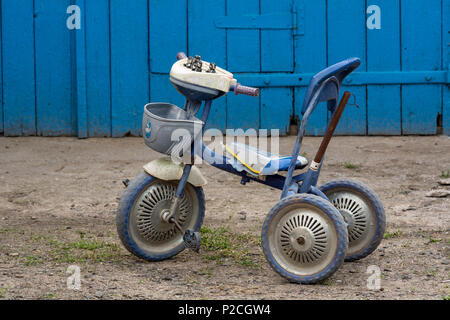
324	87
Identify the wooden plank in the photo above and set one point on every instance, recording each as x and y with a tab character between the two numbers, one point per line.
81	78
383	101
97	68
277	104
276	108
243	45
18	68
210	43
1	72
55	111
277	46
164	91
243	55
314	40
129	65
421	50
168	33
446	66
346	38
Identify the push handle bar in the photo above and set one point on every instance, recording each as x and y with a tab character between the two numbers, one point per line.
333	124
181	55
249	91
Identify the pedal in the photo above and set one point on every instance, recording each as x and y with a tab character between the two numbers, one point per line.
192	240
126	182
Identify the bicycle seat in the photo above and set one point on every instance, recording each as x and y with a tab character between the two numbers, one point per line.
260	162
330	91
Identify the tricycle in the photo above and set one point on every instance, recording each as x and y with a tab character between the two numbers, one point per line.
305	237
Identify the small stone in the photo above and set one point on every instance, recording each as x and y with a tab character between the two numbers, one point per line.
13	254
444	182
409	208
167	278
33	218
438	193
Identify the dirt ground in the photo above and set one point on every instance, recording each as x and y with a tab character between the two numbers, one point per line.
59	196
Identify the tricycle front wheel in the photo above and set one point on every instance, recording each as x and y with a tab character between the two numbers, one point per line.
139	219
304	238
363	212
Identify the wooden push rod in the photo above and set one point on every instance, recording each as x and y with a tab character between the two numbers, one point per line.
333	124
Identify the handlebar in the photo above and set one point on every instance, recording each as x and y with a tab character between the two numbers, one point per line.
238	88
248	91
181	55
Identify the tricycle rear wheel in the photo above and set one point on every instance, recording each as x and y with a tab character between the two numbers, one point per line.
304	238
364	213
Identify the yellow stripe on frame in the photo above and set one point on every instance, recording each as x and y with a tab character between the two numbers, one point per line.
240	160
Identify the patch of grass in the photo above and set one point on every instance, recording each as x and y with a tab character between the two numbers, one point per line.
326	282
447	297
3	292
49	296
431	273
206	272
445	174
432	240
392	234
215	239
12	230
351	166
31	260
221	243
84	250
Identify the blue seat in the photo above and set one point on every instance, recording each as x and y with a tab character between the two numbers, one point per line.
327	83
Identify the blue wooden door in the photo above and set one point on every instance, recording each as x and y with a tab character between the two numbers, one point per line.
94	81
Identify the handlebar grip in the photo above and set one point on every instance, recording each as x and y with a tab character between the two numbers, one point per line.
249	91
181	55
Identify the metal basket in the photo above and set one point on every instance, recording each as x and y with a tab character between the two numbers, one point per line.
167	129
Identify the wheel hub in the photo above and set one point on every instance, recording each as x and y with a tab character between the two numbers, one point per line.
301	239
348	218
153	205
355	212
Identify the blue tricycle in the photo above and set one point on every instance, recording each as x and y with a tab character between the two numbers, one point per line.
305	237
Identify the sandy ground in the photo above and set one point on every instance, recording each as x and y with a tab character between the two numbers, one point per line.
58	200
